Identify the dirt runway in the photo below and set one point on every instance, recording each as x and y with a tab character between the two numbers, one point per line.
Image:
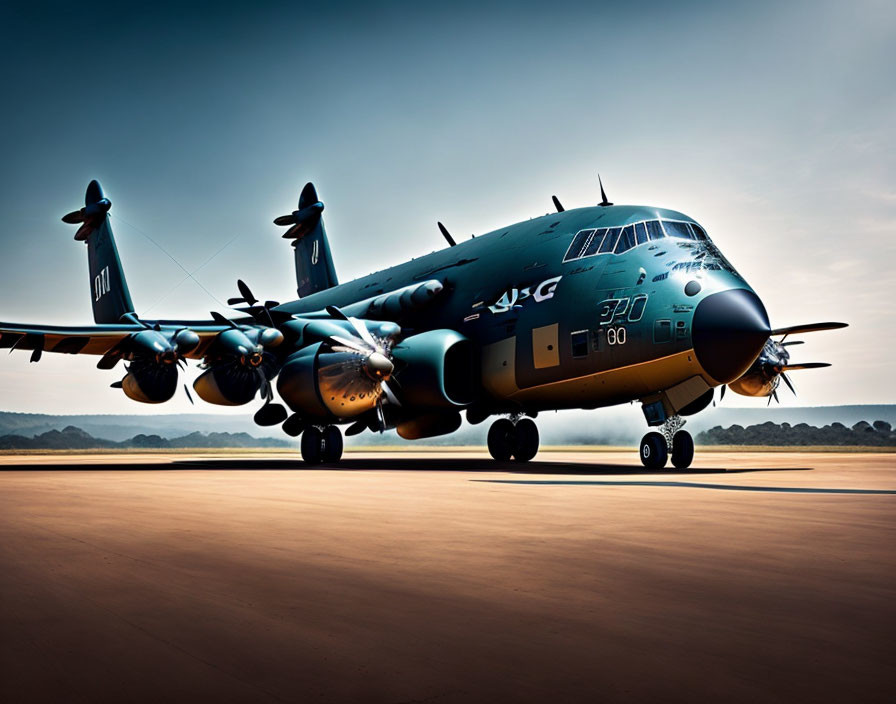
447	578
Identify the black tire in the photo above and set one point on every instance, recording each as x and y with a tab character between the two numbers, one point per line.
311	445
653	451
332	444
682	449
501	440
526	440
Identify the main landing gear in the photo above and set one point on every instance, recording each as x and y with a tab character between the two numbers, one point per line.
513	437
322	444
657	446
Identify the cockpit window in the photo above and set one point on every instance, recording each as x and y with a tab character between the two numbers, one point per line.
578	244
699	231
610	240
626	240
654	230
587	243
640	233
678	229
594	243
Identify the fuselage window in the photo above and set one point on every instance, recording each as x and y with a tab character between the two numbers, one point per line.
677	229
579	342
699	231
626	239
654	230
609	242
578	244
640	233
594	245
637	311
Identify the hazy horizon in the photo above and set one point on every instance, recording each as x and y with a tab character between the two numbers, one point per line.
771	124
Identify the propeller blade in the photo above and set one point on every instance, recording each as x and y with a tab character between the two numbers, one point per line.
221	320
351	344
722	395
115	385
380	416
236	301
390	396
246	292
363	332
294	425
356	428
73	218
270	414
38	350
110	359
789	385
285	220
335	313
187	391
557	205
805	365
809	327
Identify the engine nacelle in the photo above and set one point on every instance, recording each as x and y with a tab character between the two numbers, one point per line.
436	369
147	382
318	382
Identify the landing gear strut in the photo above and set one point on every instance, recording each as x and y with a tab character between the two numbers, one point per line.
322	444
657	446
517	438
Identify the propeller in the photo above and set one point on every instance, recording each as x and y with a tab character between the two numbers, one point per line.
363	352
302	221
261	313
96	205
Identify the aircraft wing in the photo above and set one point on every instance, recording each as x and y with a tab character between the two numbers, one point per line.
91	339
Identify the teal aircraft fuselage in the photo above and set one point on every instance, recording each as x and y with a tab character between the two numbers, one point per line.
556	330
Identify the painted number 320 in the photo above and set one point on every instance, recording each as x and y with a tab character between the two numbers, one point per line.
616	336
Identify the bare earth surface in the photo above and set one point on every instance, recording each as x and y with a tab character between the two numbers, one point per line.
448	578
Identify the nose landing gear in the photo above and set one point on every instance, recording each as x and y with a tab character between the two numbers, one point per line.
513	437
322	444
657	446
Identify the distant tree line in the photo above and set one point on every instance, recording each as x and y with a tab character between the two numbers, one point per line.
72	438
877	434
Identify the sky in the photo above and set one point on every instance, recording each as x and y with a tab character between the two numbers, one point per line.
771	123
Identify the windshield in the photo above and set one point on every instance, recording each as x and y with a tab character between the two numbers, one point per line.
616	240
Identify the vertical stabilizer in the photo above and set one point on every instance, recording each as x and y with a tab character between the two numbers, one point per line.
314	263
108	287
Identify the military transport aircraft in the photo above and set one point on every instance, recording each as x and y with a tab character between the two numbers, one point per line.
580	308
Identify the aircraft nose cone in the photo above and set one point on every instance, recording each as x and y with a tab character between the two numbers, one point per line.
728	332
379	366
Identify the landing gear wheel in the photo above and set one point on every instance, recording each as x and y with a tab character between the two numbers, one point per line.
311	445
526	440
501	440
682	449
653	451
332	444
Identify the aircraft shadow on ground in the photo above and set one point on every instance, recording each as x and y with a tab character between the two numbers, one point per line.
435	464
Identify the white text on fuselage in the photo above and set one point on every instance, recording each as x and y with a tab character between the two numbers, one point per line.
514	297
